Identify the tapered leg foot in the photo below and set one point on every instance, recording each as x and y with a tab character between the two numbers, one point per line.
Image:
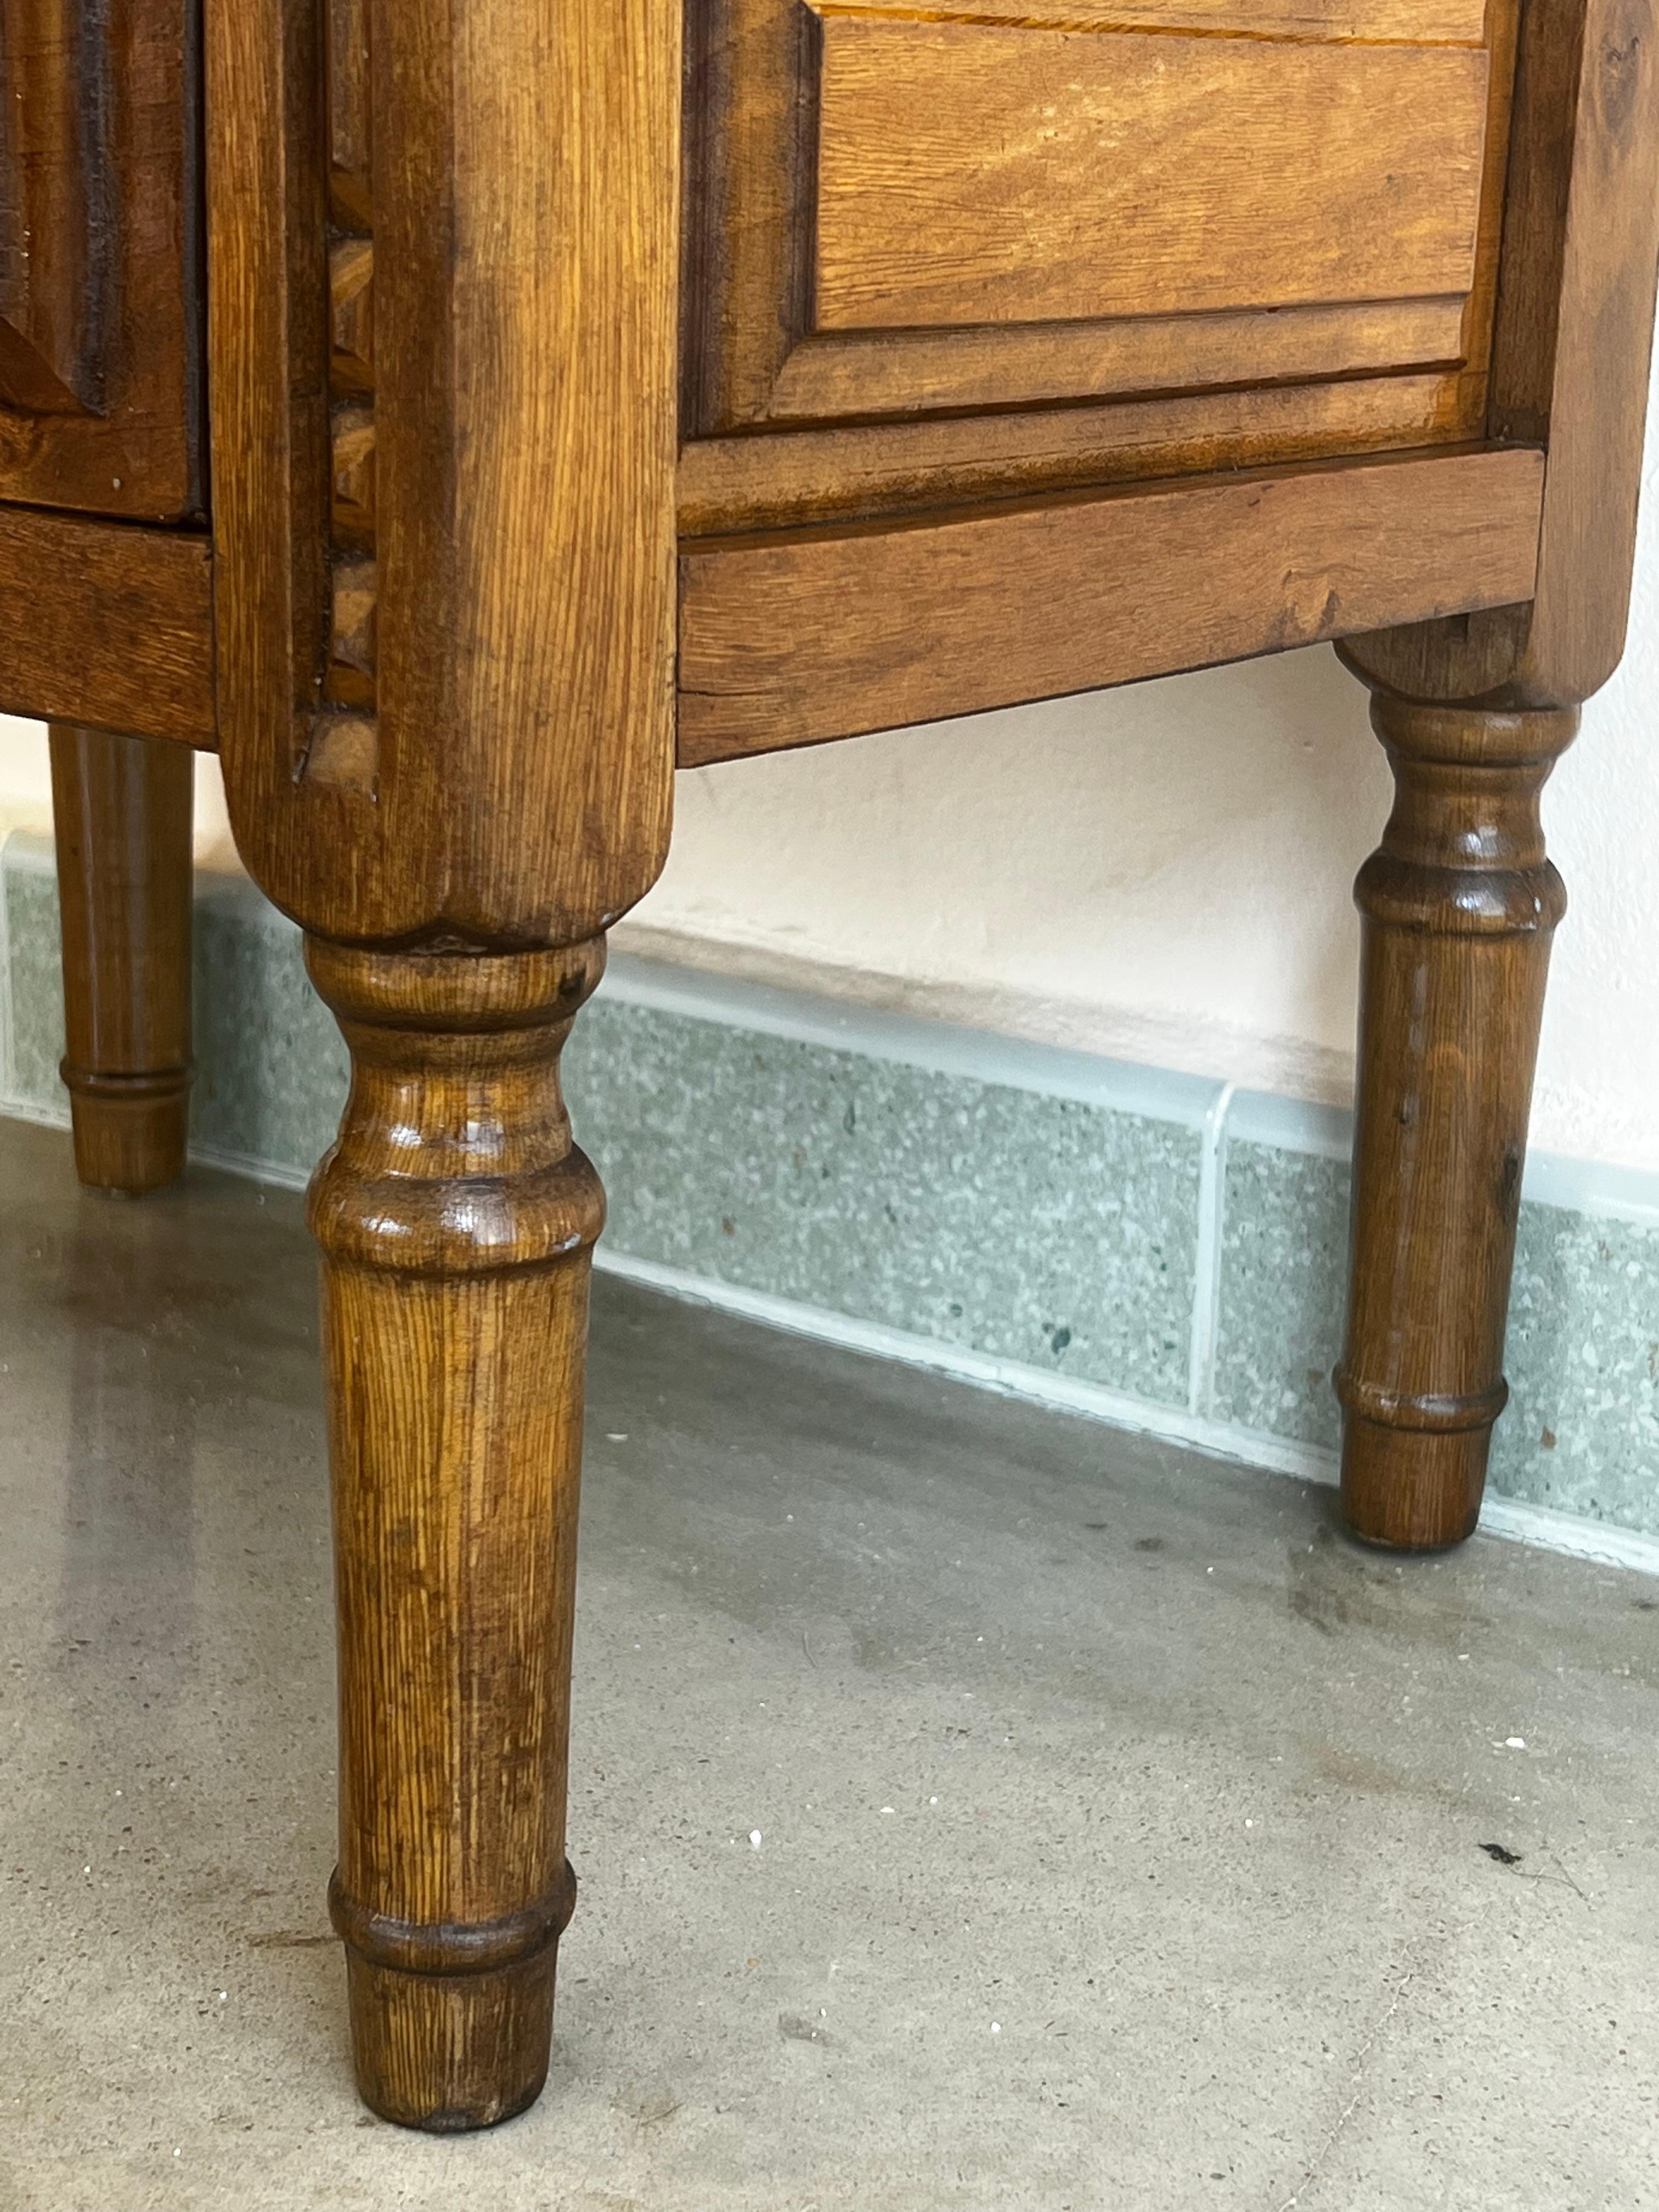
1405	1485
456	1221
122	811
452	2025
1459	904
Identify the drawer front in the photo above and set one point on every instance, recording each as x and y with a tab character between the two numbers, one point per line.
971	173
100	277
1164	235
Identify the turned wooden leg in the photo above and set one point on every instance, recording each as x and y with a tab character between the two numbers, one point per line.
456	1221
1459	905
122	811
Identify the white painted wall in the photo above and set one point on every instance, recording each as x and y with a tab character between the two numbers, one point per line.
1162	873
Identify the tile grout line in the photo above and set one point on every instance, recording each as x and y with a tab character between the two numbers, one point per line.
1009	1378
1221	1114
934	1047
1508	1520
275	1174
1283	1123
1206	1260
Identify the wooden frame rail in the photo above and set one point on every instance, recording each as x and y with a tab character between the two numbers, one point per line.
107	625
794	638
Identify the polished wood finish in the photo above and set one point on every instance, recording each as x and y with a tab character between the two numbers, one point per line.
791	639
1078	175
343	746
456	1219
1575	336
858	472
513	784
444	268
1371	22
107	625
903	210
100	281
1459	905
121	808
948	353
1454	970
852	373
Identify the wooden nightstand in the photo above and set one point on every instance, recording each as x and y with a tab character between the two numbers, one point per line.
456	411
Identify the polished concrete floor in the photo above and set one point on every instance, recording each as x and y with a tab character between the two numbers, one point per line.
974	1807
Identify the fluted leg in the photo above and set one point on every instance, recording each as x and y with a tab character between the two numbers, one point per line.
122	811
456	1222
1459	904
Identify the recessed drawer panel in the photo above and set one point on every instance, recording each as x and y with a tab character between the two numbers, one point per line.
938	249
100	277
1373	22
971	173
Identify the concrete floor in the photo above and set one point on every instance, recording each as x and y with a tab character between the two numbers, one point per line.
1127	1838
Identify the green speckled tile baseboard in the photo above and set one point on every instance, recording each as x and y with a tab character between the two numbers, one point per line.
1047	1230
34	1043
1581	1430
1283	1276
1581	1434
270	1067
1057	1232
1064	1217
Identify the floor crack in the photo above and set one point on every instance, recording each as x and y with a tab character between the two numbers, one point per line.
1334	2136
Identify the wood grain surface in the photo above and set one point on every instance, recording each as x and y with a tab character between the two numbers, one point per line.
1414	22
795	637
1460	900
970	174
898	212
861	374
954	461
1573	346
514	476
1459	904
456	1220
121	810
101	278
443	326
129	643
